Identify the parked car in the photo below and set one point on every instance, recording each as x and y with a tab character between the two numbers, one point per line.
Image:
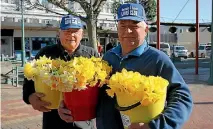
205	44
209	43
179	51
203	51
165	47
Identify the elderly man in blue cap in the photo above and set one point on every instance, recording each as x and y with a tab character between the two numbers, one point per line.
68	47
134	54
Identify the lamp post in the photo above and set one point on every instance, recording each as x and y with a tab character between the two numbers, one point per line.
210	81
23	38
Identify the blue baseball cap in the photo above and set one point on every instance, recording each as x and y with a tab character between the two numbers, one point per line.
131	11
70	21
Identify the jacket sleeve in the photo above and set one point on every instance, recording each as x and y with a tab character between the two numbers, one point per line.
28	85
179	100
95	53
90	51
28	89
107	117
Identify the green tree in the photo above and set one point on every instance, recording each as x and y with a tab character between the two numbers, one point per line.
91	9
150	7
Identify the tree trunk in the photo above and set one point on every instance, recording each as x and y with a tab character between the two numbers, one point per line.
91	30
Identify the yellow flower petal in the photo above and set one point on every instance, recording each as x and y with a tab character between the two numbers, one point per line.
110	92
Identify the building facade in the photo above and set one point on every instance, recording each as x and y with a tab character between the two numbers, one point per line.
41	27
182	36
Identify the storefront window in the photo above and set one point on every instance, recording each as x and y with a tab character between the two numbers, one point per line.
17	43
40	42
18	47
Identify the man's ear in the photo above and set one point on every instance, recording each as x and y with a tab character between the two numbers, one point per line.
145	26
82	33
147	29
58	34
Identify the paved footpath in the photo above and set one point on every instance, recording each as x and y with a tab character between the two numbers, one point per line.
15	114
202	114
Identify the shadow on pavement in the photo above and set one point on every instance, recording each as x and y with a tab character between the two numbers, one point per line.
191	78
199	103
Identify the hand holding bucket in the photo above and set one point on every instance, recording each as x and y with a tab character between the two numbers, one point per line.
51	96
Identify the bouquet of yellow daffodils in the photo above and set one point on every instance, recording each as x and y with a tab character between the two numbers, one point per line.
66	76
56	74
83	77
81	72
40	71
40	67
139	98
53	76
46	69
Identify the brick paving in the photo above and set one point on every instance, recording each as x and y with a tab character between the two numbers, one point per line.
202	114
15	114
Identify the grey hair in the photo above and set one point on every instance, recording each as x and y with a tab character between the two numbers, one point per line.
143	24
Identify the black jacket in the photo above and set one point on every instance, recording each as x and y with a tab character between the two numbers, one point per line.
51	120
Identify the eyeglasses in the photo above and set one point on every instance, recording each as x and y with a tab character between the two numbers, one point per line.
129	27
76	32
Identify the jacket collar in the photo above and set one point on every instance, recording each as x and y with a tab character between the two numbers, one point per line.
67	56
136	52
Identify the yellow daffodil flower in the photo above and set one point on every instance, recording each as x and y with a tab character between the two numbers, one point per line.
145	89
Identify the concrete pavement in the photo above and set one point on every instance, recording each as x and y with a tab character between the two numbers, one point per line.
15	114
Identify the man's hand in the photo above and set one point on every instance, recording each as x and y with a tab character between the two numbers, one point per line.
64	113
37	103
139	126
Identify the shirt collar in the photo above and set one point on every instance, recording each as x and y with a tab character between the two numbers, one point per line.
136	52
68	56
77	50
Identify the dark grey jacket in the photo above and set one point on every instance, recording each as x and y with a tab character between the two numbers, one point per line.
51	120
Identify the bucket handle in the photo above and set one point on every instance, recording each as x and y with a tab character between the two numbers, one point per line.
126	108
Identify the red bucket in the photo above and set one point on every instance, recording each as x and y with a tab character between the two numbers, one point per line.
82	104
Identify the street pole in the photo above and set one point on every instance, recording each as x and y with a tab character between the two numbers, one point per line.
197	37
23	38
158	24
210	81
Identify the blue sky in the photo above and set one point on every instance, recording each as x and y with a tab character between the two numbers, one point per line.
171	8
